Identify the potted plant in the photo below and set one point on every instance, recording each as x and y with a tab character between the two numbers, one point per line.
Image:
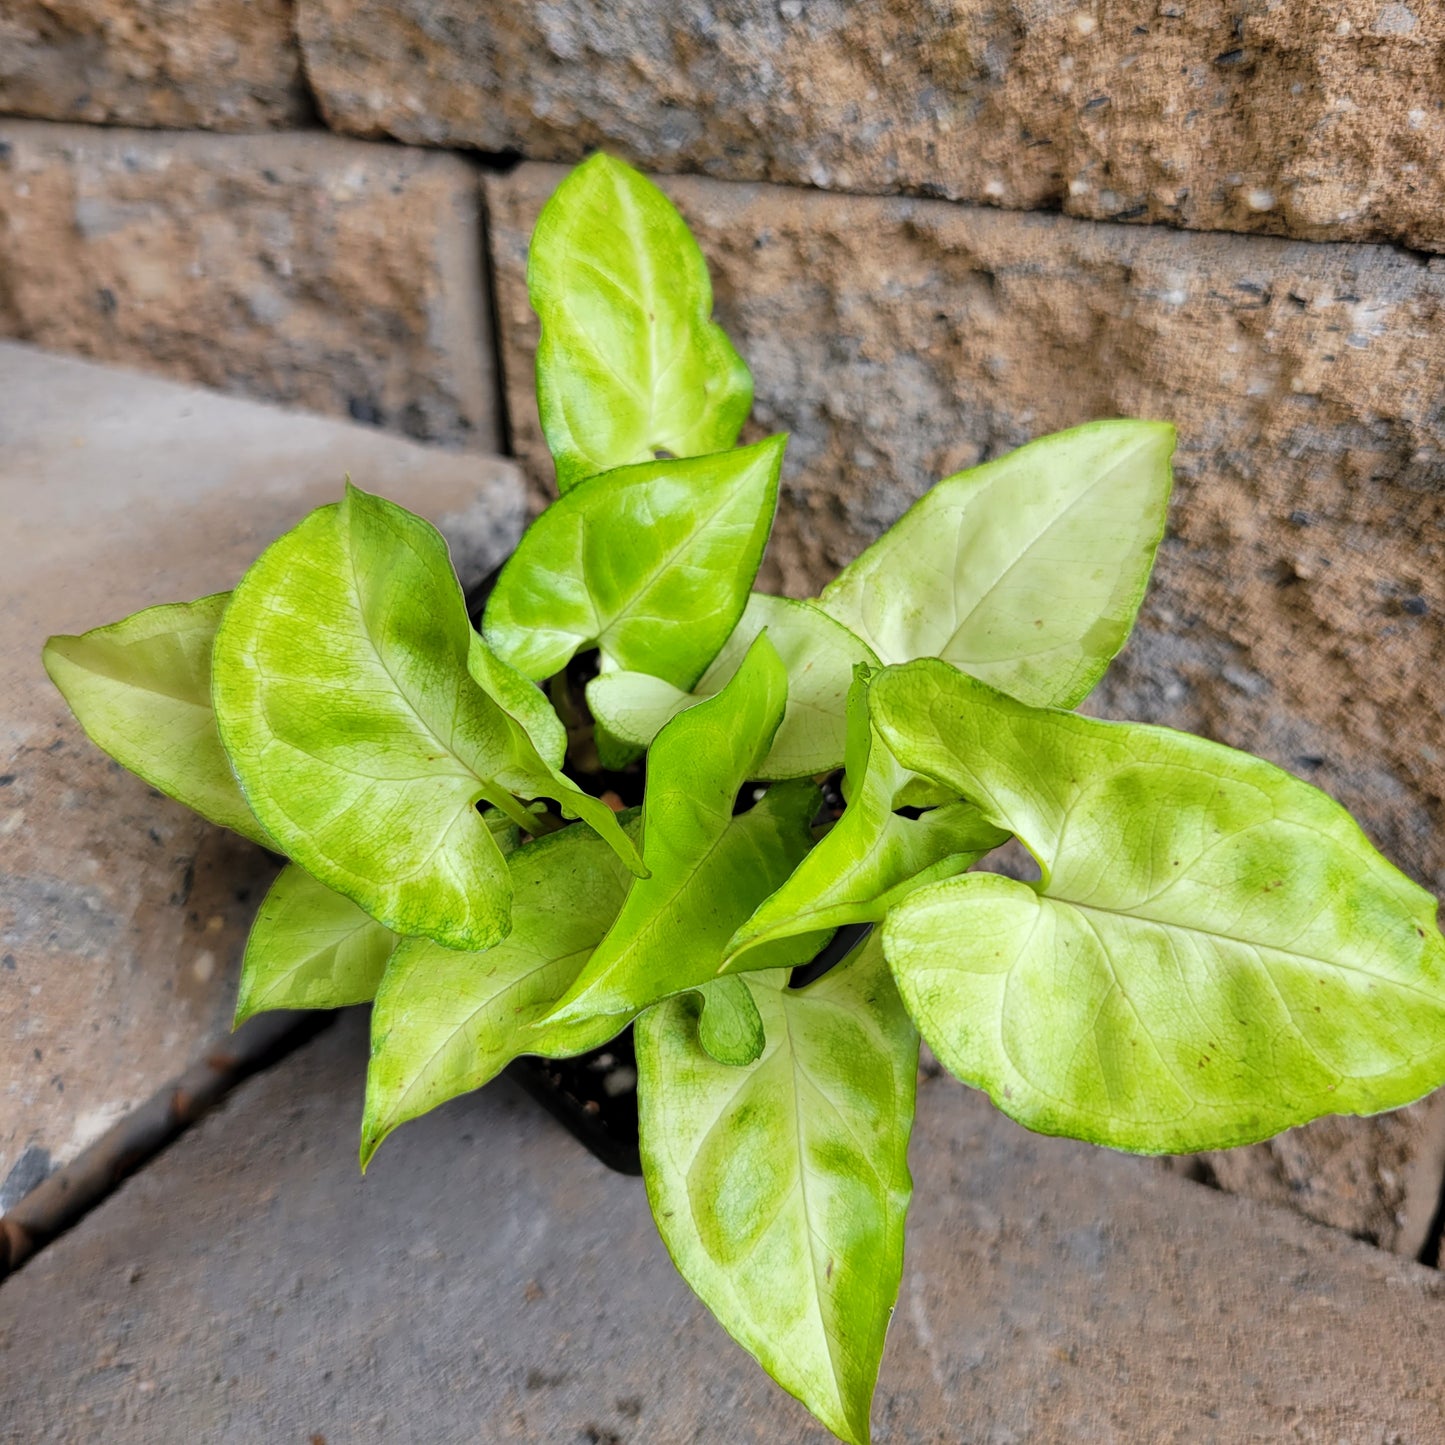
1213	951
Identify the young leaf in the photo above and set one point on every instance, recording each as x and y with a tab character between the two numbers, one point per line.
729	1026
141	689
819	655
630	364
781	1189
445	1022
1025	572
362	743
650	563
873	857
310	948
709	868
1214	953
522	700
531	766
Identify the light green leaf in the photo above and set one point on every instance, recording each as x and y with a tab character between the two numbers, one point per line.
445	1021
709	868
531	765
310	948
361	740
1025	572
141	689
781	1189
630	364
729	1025
872	858
1215	951
650	563
522	700
819	655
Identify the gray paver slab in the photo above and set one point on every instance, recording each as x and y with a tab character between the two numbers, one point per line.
490	1281
122	914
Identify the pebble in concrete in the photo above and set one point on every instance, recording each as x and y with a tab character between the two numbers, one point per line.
488	1280
121	914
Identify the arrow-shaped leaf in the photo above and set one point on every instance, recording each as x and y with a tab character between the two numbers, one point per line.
1025	572
1215	952
873	857
446	1022
781	1188
363	745
141	689
310	948
650	563
630	365
710	869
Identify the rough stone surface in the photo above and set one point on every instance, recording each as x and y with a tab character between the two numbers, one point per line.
218	64
1288	117
306	269
121	913
1379	1179
1297	609
491	1280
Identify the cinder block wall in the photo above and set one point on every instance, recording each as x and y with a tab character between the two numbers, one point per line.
937	227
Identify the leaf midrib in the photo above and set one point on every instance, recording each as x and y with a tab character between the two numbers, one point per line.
1251	943
726	498
447	745
1052	521
516	981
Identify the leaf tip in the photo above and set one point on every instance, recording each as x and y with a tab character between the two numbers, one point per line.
367	1152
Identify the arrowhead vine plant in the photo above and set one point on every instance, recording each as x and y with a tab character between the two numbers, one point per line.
1213	951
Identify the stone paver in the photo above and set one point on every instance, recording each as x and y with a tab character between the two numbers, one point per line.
122	914
319	272
1298	608
220	64
1291	117
490	1281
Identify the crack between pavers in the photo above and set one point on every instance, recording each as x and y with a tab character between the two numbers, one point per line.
66	1196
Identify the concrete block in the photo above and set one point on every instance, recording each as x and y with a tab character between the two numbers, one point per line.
1288	118
217	64
122	915
488	1280
305	269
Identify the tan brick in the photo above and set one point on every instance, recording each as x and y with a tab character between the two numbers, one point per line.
219	64
122	915
306	269
1298	609
1291	117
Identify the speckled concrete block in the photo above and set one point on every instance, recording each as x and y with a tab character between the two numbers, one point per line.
489	1281
1298	609
219	64
122	914
342	277
1289	117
